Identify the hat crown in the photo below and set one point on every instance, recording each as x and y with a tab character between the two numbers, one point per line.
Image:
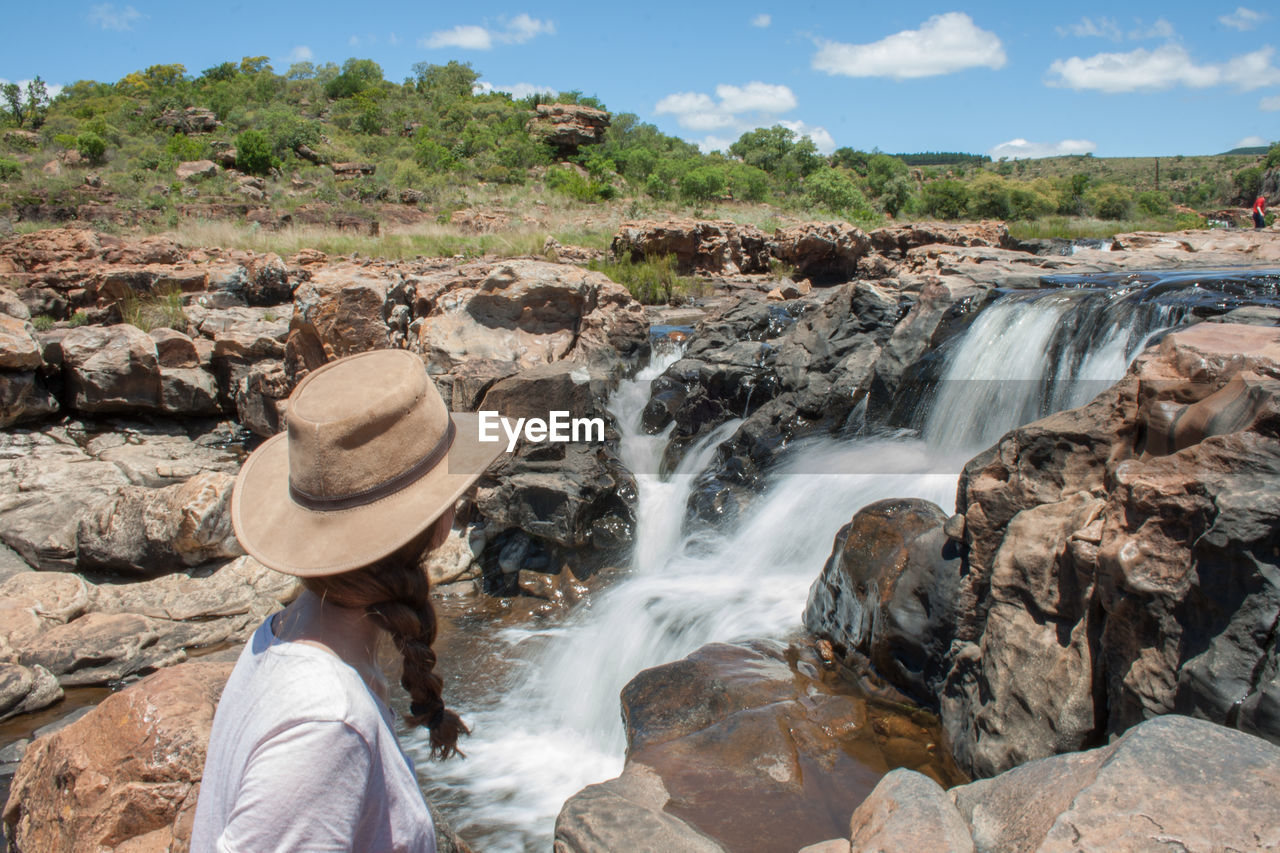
357	425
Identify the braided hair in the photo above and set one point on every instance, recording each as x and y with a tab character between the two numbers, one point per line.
395	593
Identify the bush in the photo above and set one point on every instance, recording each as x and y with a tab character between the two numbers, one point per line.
184	148
1152	203
571	183
833	189
9	169
253	153
989	198
1248	183
702	184
162	309
1110	201
91	146
42	322
652	281
946	199
1273	157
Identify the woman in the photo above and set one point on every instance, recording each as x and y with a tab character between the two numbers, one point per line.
303	753
1260	212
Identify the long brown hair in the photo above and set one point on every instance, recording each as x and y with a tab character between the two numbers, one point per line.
396	594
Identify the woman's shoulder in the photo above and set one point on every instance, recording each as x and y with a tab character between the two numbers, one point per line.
298	683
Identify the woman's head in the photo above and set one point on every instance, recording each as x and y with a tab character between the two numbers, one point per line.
395	594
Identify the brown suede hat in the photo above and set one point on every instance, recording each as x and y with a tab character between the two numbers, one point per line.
370	459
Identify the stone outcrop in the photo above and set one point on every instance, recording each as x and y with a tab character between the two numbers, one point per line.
196	170
744	747
93	634
721	248
1173	782
567	127
1117	562
189	120
823	252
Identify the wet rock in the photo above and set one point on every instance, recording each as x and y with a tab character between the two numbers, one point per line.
111	369
748	746
822	252
722	248
128	772
145	531
887	592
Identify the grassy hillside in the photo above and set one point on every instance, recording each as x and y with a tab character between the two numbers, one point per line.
433	145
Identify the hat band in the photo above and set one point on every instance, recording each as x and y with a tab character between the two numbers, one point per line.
382	490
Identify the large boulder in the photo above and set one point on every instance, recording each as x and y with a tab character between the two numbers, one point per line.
126	773
745	747
111	369
145	531
24	689
1169	783
24	398
196	170
19	349
721	248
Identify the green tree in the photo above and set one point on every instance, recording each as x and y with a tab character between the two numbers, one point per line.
989	198
447	83
1109	201
1248	182
1153	203
834	190
222	72
357	75
91	146
945	199
779	151
12	94
855	161
702	184
37	102
253	153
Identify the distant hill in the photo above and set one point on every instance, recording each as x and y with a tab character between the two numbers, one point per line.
1255	149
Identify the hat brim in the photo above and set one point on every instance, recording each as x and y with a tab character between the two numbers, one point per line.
290	538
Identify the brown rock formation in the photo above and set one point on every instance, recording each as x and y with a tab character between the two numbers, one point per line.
723	248
567	127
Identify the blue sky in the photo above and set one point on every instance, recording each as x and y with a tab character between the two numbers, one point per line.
1021	79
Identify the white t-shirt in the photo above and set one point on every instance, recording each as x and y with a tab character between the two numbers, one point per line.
303	757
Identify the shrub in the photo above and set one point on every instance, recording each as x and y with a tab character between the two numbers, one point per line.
79	319
702	184
1273	157
1248	183
989	198
652	281
1109	201
9	169
42	322
834	190
433	156
945	199
91	146
571	183
162	309
1153	203
183	148
253	153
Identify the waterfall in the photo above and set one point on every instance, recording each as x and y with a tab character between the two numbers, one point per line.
552	725
1031	354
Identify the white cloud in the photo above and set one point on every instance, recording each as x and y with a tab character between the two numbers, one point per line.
944	44
715	143
1251	142
762	21
517	30
1106	28
1270	104
1161	29
52	88
1019	149
518	91
699	111
1167	66
822	140
108	17
301	53
393	39
1243	19
756	97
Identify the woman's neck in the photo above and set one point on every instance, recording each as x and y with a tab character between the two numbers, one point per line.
345	632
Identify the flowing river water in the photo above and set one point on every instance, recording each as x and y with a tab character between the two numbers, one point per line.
543	699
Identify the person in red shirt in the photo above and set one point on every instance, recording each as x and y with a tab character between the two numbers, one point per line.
1259	212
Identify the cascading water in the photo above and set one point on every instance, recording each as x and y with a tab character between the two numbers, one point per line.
551	726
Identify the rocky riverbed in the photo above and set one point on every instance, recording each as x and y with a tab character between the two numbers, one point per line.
1102	567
